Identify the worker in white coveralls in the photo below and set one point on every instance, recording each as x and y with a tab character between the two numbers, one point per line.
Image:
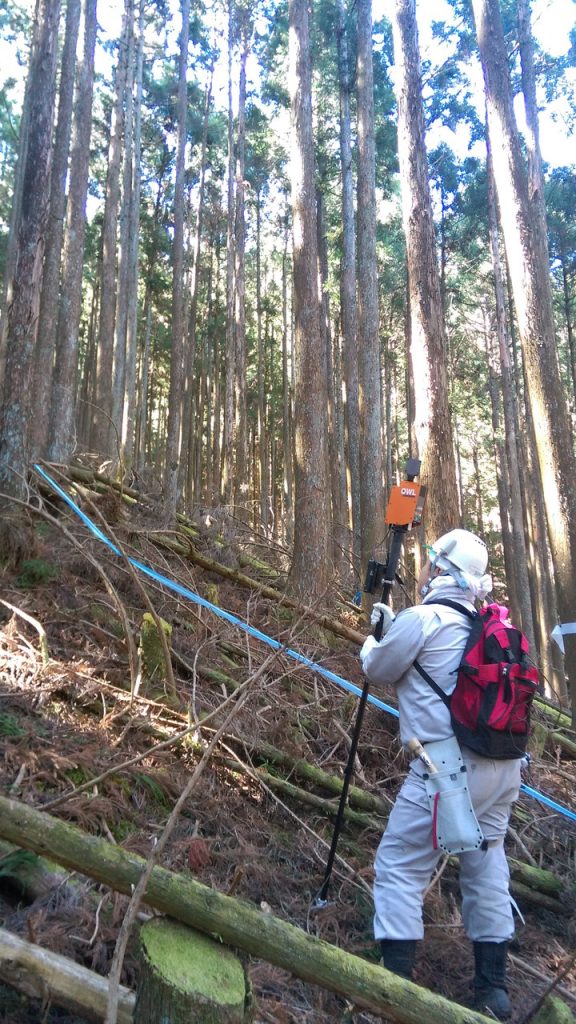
436	635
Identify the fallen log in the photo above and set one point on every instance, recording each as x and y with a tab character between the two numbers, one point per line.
558	739
288	789
238	923
359	798
535	878
40	974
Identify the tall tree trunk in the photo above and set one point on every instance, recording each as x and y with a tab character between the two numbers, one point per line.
177	351
369	370
124	226
241	488
129	404
63	396
569	325
519	551
101	426
14	225
310	570
230	355
22	315
262	436
191	430
535	171
513	582
340	533
433	424
348	284
540	571
143	384
48	318
533	301
288	482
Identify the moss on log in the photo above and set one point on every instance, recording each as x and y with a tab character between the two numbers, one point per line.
536	878
308	772
562	741
39	973
288	789
238	923
186	976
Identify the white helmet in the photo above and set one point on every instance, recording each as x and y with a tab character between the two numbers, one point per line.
460	549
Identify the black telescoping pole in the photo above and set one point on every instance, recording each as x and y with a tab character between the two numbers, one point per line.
389	577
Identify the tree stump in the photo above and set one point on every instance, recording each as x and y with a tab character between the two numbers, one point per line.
188	978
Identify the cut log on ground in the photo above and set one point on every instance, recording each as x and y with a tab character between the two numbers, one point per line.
186	976
238	923
41	974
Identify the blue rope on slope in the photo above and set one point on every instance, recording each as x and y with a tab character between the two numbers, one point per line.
190	595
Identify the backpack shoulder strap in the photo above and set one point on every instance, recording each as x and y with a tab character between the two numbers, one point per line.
473	616
456	606
432	682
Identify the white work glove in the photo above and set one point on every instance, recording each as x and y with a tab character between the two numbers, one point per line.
382	610
369	644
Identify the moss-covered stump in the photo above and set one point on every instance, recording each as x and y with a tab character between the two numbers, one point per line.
554	1011
187	978
151	649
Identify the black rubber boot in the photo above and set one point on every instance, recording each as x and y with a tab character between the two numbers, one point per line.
399	955
490	991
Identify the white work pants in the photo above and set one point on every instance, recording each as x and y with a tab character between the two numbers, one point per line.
405	859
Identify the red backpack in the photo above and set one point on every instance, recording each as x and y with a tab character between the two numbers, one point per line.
490	704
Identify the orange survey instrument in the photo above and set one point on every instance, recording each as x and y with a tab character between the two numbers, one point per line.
405	504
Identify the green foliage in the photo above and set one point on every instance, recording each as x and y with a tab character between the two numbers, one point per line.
11	864
10	725
34	572
152	786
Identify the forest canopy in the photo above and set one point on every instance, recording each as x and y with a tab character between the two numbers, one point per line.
256	255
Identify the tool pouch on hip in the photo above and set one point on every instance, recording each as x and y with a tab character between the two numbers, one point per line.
455	828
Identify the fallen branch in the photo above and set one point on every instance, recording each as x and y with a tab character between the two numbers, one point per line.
39	629
40	974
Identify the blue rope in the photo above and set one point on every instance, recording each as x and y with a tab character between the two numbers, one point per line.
177	588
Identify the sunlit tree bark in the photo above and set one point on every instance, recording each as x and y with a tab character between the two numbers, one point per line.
241	482
533	302
129	398
48	319
63	396
102	434
311	558
369	370
348	282
22	313
432	420
177	352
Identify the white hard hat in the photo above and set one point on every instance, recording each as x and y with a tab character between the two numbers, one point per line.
462	549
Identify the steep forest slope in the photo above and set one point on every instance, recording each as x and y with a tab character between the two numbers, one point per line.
78	633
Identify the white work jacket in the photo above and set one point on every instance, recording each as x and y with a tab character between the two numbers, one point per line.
434	635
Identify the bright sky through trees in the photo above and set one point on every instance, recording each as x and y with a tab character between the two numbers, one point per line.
552	22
